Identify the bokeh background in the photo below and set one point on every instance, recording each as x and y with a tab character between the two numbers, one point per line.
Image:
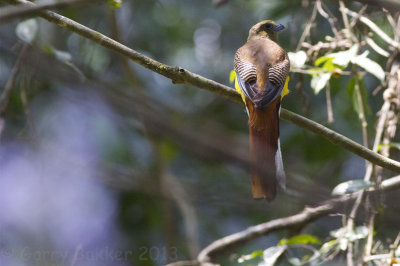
87	177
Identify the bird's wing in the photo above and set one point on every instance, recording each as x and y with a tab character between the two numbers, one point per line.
246	74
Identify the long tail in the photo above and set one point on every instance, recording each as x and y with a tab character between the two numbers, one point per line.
265	151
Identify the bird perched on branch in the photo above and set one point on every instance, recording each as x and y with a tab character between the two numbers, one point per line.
262	69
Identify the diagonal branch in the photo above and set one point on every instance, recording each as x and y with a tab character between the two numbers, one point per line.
11	12
182	76
340	140
304	217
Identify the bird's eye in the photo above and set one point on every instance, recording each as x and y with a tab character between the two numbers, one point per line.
268	25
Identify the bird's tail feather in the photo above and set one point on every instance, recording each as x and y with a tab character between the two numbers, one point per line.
265	153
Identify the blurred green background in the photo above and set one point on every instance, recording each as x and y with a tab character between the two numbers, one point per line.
86	172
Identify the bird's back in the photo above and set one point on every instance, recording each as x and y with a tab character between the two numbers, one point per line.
262	53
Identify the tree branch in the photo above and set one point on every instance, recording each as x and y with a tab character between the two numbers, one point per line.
178	75
388	4
340	140
306	216
183	76
11	12
373	27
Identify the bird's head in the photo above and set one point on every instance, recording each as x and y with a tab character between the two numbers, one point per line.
265	29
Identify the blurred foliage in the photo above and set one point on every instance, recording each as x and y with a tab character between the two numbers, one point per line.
170	202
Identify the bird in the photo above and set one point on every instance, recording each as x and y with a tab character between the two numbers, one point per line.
262	76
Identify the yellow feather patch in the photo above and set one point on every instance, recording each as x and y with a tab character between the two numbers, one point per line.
285	90
232	77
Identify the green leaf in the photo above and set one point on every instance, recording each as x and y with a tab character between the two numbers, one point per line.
395	145
27	30
359	232
343	243
319	80
344	58
354	98
115	3
232	76
329	65
341	59
253	255
65	58
62	56
364	96
297	59
272	254
351	90
369	65
295	261
168	150
344	236
351	187
300	239
321	60
328	246
305	258
338	233
350	86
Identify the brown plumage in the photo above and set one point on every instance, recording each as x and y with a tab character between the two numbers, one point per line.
262	66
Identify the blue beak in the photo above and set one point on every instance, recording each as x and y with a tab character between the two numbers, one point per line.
278	27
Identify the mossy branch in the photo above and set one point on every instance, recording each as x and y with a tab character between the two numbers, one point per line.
179	75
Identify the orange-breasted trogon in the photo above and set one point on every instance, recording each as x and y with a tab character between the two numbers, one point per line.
262	69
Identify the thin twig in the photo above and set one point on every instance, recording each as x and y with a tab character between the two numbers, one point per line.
332	45
312	71
190	219
350	226
376	47
359	13
307	29
184	263
346	21
329	104
395	245
370	237
330	19
377	257
390	19
361	112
